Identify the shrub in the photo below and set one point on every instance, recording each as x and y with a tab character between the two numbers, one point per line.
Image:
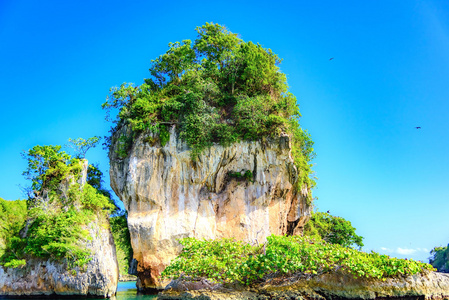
335	230
229	261
440	258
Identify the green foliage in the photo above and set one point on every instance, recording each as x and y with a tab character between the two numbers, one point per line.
440	258
220	260
122	240
228	261
15	263
95	179
53	234
335	230
164	136
48	166
247	175
12	217
124	144
217	89
58	212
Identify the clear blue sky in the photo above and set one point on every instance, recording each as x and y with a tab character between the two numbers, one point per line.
390	73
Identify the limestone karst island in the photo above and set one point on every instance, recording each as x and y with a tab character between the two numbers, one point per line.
213	169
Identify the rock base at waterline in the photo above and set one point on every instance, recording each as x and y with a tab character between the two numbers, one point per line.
39	277
431	286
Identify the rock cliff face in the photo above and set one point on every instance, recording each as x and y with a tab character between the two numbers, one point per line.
48	277
169	196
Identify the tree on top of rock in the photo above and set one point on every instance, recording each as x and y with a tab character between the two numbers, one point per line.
216	89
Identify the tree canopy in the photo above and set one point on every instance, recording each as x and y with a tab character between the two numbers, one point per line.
216	89
335	230
440	258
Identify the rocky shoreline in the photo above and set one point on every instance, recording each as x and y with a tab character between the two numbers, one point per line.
430	286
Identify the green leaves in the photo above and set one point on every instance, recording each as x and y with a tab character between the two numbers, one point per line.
230	261
440	258
335	230
170	66
219	260
122	240
12	217
47	166
217	44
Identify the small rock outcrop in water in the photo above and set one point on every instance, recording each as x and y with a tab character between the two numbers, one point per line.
44	277
433	286
169	196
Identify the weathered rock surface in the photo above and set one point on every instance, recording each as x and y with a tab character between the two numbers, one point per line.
98	278
328	286
169	196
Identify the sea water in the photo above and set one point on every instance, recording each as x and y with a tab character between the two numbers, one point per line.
125	291
128	291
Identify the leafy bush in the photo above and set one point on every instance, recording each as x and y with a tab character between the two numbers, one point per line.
216	89
48	166
440	258
335	230
15	263
228	261
12	217
220	260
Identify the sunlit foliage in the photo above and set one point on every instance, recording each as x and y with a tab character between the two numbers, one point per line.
335	230
228	261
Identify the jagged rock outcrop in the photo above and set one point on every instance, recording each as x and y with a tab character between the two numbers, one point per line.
329	286
169	196
42	277
47	277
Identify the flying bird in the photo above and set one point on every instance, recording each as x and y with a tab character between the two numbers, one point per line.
331	58
418	127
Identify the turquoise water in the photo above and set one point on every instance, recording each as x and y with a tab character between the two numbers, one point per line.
125	291
128	291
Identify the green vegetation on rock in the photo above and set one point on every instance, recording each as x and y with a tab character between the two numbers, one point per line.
228	261
216	89
440	258
12	217
58	211
335	230
122	240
